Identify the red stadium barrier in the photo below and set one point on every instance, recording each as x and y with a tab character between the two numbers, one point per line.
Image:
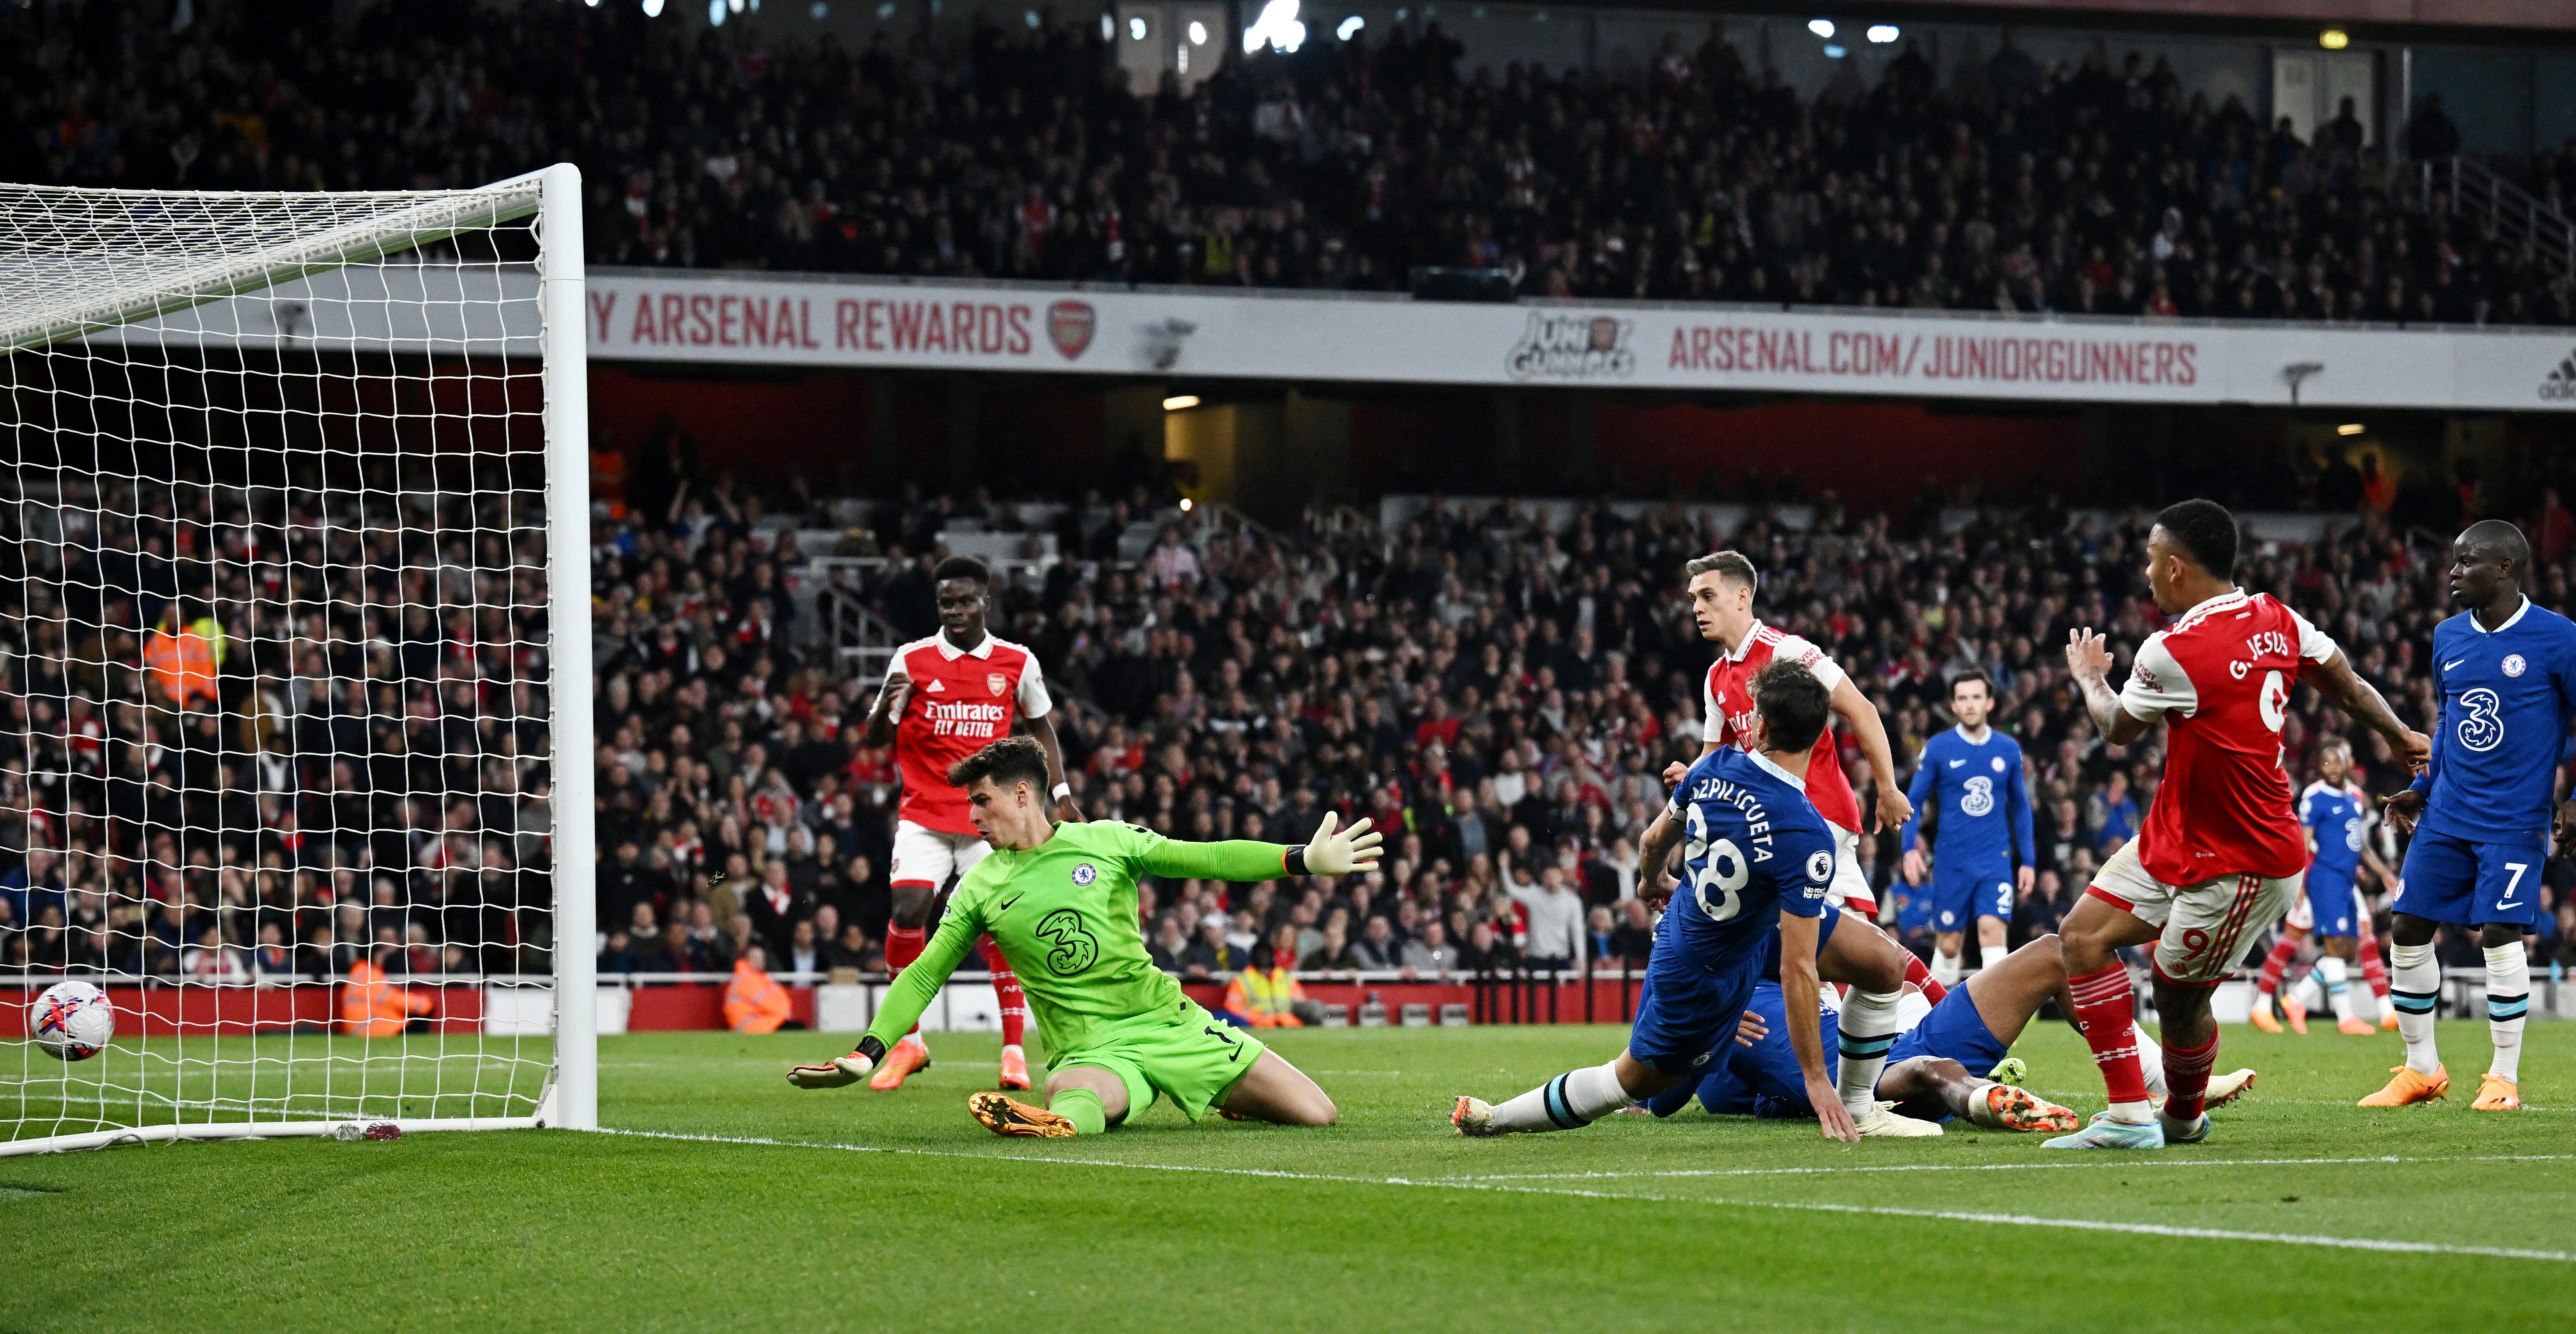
680	1007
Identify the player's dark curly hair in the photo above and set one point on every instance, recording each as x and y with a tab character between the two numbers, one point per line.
1013	759
2205	531
1793	704
962	567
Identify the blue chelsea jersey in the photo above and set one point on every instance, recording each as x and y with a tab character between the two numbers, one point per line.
2341	819
1753	847
2505	697
1976	795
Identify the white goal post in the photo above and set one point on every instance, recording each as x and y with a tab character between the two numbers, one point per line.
295	661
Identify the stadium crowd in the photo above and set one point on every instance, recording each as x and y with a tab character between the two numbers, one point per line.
275	741
980	150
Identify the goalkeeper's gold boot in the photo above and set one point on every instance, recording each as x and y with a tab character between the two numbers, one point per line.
1012	1118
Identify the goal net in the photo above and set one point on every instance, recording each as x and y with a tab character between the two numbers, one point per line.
295	737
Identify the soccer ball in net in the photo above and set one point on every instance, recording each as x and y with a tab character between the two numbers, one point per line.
72	1021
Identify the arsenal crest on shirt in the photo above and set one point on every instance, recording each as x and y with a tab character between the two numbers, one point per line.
996	683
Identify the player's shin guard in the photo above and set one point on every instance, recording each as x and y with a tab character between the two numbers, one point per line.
2508	1002
1990	956
2330	970
2106	1008
2415	985
1922	978
1081	1107
1572	1100
2187	1078
2151	1062
903	945
1006	990
2277	964
1945	968
1868	1030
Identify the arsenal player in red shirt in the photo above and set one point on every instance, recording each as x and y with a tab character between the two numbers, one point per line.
1721	593
2221	854
945	698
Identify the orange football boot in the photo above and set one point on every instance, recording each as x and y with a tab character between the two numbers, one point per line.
2408	1087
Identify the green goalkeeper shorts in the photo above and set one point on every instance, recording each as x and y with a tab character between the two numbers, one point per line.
1184	1054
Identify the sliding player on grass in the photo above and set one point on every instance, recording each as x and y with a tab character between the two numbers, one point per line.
2506	673
1951	1061
1060	900
2220	853
1759	857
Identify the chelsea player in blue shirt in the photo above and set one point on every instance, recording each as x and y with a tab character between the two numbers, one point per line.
1974	774
2506	673
1757	856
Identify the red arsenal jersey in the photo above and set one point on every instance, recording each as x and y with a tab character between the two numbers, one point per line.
962	700
1727	696
2220	677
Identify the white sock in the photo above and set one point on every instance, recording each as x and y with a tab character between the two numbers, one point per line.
1575	1098
2508	1004
1989	956
2151	1062
2415	985
2338	994
1868	1030
2310	996
1013	1049
1945	969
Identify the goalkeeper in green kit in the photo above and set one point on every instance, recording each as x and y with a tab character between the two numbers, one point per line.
1060	900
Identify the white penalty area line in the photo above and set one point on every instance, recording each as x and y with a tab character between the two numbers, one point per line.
2122	1162
1800	1206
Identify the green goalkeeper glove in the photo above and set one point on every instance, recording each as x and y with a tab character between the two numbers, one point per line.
1352	849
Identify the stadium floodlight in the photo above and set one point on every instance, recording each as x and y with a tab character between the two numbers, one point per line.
652	9
1880	34
1822	28
1136	29
349	413
1277	27
1198	33
715	13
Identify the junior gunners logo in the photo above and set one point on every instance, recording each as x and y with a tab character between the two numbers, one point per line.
1573	347
1069	326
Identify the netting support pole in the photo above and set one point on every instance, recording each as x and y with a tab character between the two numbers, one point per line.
567	381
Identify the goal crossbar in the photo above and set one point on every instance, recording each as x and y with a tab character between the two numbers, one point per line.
106	263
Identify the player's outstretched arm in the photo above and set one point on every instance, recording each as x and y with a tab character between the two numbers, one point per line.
1798	988
1332	851
2343	687
921	979
1893	808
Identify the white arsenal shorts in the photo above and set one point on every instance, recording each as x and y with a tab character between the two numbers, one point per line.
2207	928
1851	883
929	857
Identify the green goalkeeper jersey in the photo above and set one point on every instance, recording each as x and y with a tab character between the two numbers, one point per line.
1064	913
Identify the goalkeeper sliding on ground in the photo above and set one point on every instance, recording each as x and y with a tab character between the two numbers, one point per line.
1060	900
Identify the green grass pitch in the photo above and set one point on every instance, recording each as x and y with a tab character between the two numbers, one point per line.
894	1211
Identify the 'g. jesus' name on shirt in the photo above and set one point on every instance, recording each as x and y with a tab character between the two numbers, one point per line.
977	722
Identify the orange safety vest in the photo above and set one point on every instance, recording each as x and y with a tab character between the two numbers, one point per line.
182	664
754	1002
373	1007
1265	1000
